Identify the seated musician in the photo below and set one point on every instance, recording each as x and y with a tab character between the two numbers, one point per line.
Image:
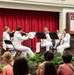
64	42
57	41
44	42
6	36
18	39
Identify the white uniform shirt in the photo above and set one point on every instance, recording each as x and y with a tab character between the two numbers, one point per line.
18	38
59	35
5	37
66	39
48	39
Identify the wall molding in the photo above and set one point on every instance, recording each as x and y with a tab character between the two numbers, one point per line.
38	3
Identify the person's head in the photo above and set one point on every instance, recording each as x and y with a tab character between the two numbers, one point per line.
7	57
64	31
67	58
48	56
6	29
45	29
49	68
57	31
20	67
19	28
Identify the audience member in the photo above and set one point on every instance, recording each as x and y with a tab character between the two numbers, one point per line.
8	69
20	67
48	68
48	56
66	68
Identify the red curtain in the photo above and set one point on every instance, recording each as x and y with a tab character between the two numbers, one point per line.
29	20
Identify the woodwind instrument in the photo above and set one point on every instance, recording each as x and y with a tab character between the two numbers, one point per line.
61	39
42	41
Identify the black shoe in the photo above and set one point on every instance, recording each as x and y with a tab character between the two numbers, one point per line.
38	53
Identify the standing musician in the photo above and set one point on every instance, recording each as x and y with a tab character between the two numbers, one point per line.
18	39
64	41
44	42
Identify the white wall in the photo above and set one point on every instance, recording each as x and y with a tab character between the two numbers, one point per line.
54	1
48	1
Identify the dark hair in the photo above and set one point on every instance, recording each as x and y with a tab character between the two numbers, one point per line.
19	28
20	67
49	68
45	27
5	28
65	30
67	57
48	56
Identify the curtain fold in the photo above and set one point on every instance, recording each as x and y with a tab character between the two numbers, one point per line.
30	21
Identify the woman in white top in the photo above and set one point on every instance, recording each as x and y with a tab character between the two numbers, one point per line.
64	42
6	37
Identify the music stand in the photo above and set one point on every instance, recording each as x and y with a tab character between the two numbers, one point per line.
12	34
53	37
40	35
23	34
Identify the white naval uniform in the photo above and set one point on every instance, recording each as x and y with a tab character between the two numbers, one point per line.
6	37
45	43
65	43
18	39
57	41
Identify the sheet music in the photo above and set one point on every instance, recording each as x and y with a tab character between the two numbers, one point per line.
32	34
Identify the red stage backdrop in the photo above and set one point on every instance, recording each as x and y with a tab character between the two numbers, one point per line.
29	20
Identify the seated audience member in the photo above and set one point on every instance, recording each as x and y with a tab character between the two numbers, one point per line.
48	56
20	67
48	68
66	68
8	69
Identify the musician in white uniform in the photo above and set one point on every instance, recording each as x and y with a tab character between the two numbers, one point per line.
57	41
64	42
44	42
6	37
18	39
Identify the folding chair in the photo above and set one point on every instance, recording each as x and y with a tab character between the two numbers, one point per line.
8	42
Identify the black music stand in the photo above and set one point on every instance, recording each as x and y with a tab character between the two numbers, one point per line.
11	34
23	34
53	37
40	35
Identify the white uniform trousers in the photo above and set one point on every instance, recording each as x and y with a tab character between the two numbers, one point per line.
24	50
56	43
62	47
47	45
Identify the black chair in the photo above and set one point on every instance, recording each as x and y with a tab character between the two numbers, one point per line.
8	42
